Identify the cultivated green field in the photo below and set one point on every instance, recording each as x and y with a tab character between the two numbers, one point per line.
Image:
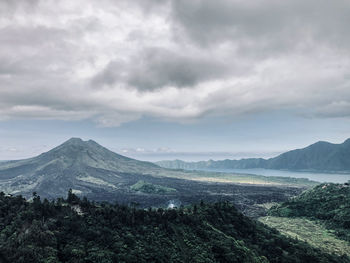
237	178
312	232
142	186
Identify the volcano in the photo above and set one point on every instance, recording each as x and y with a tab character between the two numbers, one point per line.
84	166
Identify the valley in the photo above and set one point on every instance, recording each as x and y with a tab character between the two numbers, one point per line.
174	131
92	170
99	175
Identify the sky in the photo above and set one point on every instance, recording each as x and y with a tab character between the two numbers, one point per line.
166	79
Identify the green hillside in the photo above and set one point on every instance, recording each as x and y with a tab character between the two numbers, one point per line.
142	186
311	231
328	203
75	230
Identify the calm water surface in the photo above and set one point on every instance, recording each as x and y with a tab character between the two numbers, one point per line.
320	177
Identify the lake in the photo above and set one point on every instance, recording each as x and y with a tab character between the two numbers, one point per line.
319	177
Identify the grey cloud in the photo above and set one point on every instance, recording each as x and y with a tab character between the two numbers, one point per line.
157	67
110	75
32	51
208	22
176	60
266	24
8	7
338	109
30	36
10	67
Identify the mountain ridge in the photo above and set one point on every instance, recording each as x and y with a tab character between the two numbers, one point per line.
321	156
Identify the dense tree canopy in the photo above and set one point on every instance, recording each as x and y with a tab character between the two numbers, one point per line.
75	230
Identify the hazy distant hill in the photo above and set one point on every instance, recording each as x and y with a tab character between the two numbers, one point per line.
321	156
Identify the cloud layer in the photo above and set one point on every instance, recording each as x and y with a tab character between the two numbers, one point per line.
116	61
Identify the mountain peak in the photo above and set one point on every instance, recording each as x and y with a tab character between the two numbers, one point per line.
76	147
320	143
347	142
78	142
74	140
92	142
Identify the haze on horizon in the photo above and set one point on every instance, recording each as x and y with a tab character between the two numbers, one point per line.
154	80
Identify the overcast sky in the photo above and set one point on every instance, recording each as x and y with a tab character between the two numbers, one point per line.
157	79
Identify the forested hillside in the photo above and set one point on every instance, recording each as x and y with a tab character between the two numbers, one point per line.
75	230
329	203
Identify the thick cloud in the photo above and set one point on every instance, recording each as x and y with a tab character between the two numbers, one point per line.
157	68
115	61
267	23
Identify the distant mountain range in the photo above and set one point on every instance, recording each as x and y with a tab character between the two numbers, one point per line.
93	171
321	156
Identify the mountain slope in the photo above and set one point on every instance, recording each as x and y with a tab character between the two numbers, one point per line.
82	164
321	156
329	203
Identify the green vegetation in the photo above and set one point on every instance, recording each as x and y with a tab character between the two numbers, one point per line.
205	176
75	230
310	231
149	188
327	203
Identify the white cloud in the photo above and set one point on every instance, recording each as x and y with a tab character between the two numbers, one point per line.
115	61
